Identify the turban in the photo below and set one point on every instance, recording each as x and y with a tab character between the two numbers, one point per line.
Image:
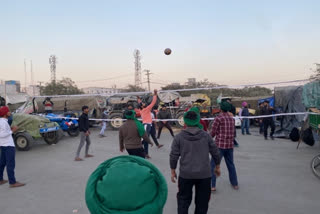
126	185
244	104
4	111
225	106
189	120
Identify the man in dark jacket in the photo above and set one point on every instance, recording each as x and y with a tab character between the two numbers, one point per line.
130	135
162	115
260	120
268	121
84	133
193	146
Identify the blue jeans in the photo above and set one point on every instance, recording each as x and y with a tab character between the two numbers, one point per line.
8	160
147	127
245	125
228	157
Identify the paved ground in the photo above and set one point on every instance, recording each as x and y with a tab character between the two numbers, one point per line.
274	177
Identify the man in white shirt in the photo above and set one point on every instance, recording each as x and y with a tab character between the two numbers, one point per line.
7	146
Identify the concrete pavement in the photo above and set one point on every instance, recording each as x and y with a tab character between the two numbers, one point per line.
274	177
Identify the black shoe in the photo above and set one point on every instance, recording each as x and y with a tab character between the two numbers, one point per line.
272	138
266	138
248	133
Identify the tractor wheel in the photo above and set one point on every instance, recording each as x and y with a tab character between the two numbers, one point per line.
73	131
180	122
51	137
23	141
117	120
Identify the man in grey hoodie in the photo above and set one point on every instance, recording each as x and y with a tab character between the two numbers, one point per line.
193	146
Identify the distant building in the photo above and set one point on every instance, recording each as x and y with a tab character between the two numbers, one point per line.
191	81
175	84
8	89
33	90
16	83
100	90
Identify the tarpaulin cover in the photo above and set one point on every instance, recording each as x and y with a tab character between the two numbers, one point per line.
195	97
311	95
270	99
168	97
72	104
289	99
31	123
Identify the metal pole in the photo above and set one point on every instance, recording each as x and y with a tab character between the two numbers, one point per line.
25	76
148	78
5	93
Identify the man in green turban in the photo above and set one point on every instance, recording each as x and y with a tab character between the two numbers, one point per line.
126	185
130	135
192	147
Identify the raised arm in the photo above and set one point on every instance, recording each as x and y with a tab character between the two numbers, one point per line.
154	100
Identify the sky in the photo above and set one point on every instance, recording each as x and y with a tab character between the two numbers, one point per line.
228	42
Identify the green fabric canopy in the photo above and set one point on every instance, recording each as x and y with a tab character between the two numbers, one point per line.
126	185
131	115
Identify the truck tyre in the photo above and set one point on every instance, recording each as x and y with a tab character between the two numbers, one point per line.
51	137
23	141
73	131
117	123
180	122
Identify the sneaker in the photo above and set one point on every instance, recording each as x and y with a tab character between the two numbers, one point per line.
89	156
160	145
101	135
248	133
17	184
3	182
235	187
78	159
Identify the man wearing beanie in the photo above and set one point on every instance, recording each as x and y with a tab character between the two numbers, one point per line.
223	131
126	185
192	147
7	148
130	135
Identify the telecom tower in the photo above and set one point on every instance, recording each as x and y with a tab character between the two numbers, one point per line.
52	62
137	68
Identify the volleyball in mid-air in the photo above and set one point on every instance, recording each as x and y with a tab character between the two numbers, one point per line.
167	51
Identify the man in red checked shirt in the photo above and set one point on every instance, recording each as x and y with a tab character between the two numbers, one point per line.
223	131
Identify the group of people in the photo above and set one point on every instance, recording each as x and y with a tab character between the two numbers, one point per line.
191	147
264	122
128	134
148	114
